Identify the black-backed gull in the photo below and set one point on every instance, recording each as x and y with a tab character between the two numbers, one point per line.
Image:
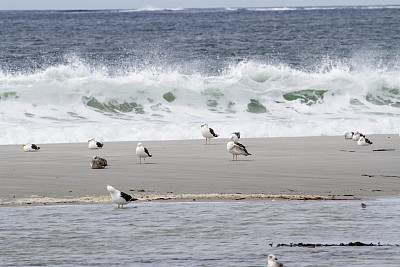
119	197
30	147
207	133
272	261
363	141
93	144
236	148
142	152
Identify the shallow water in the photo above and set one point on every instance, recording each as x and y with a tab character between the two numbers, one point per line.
200	233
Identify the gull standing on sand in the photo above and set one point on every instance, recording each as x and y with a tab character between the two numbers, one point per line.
30	147
98	163
142	152
207	133
119	197
93	144
272	261
236	148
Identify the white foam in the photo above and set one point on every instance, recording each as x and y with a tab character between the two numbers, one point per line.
70	103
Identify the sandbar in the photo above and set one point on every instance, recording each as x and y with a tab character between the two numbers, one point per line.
323	167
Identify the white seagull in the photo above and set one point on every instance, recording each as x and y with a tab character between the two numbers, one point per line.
348	135
98	163
93	144
30	147
356	136
119	197
207	133
272	261
363	141
236	148
142	152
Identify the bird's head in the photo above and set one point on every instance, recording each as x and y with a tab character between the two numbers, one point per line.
110	188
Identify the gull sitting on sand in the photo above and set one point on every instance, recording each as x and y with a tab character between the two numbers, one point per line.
348	135
207	133
30	147
93	144
119	197
98	163
142	152
356	136
363	141
272	261
236	148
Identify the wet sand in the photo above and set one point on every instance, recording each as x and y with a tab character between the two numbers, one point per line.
301	167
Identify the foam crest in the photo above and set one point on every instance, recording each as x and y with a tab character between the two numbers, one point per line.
71	102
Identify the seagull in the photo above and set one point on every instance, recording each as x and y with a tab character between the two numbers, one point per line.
363	141
98	163
236	148
348	135
272	261
142	152
119	197
356	136
30	147
93	144
207	133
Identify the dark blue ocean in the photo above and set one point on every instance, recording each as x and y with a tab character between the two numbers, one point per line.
64	75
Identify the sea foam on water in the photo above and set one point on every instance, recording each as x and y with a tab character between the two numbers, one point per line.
68	103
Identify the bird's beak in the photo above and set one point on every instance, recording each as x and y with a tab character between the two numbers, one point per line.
107	185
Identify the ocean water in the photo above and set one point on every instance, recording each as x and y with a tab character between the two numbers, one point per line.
201	233
120	75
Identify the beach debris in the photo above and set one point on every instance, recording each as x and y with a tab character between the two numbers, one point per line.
272	261
119	197
236	148
350	244
207	133
98	163
142	152
93	144
30	147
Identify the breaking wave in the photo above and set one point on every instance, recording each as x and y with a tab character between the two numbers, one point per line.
74	101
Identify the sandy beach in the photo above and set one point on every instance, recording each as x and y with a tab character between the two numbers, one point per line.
301	167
